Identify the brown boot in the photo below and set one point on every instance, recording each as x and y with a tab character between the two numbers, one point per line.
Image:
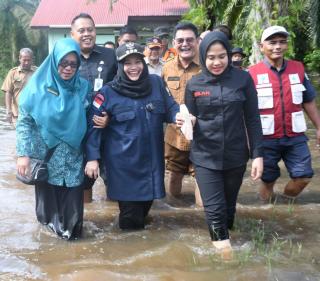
175	183
295	186
87	195
266	191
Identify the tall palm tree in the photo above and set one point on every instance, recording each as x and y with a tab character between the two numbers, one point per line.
15	17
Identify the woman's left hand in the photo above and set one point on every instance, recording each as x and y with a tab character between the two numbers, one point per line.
100	121
257	168
92	169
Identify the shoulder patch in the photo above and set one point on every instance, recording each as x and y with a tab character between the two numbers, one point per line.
98	100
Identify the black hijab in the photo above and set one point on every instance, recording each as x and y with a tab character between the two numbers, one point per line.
132	89
208	40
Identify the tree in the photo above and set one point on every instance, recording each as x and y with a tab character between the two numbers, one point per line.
15	17
248	18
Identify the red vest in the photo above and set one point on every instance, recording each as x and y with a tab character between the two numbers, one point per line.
280	99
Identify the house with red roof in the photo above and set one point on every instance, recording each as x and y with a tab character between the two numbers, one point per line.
143	15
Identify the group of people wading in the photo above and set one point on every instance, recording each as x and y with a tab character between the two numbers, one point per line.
103	113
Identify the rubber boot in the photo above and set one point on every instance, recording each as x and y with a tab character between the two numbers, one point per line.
223	247
295	186
175	183
87	195
197	196
266	191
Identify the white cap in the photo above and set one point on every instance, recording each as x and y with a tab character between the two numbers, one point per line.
275	29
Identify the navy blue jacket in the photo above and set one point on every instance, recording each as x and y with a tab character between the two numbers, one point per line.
132	143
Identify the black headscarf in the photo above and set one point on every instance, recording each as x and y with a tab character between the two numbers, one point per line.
132	89
208	40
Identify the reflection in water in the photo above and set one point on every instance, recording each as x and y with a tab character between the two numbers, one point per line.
272	241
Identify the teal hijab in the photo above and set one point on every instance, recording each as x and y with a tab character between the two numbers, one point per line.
57	105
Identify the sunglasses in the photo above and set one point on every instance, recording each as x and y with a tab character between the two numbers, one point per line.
164	36
66	63
188	40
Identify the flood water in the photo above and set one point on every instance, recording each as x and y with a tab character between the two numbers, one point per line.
278	241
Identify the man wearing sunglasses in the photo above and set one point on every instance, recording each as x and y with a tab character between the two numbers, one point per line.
162	32
284	94
176	73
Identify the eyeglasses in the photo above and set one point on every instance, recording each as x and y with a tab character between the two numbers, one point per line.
188	40
66	63
164	36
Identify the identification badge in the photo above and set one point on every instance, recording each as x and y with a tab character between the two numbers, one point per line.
294	78
98	83
263	78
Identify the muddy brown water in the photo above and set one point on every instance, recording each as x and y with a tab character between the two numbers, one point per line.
276	241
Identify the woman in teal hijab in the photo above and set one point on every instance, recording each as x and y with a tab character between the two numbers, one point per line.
52	116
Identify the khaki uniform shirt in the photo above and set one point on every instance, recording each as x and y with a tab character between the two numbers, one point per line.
176	78
13	84
154	69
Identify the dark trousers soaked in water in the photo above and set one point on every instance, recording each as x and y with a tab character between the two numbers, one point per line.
133	213
219	191
61	209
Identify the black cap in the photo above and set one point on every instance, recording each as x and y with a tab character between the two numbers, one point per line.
128	49
238	50
161	30
154	42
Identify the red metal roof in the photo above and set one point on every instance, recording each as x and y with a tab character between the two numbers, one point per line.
59	13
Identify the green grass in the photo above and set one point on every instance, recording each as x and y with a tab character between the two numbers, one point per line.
267	245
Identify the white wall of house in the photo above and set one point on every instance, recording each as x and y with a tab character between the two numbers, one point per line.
55	34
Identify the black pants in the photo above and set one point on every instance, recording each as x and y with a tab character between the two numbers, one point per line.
133	213
60	208
219	191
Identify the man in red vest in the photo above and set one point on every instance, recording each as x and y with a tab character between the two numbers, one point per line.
284	94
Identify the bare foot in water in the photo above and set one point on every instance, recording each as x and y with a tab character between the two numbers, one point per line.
223	247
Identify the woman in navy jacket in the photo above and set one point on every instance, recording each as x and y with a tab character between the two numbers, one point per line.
132	144
224	101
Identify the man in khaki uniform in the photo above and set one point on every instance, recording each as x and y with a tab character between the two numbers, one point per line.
176	72
16	79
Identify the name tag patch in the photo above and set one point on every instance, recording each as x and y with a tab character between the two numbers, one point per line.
201	94
173	78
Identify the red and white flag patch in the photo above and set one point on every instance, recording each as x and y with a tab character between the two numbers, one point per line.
98	100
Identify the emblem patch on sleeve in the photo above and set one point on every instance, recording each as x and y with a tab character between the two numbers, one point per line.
98	100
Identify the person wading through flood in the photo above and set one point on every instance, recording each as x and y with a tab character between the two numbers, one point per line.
284	93
137	105
223	100
52	119
98	66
